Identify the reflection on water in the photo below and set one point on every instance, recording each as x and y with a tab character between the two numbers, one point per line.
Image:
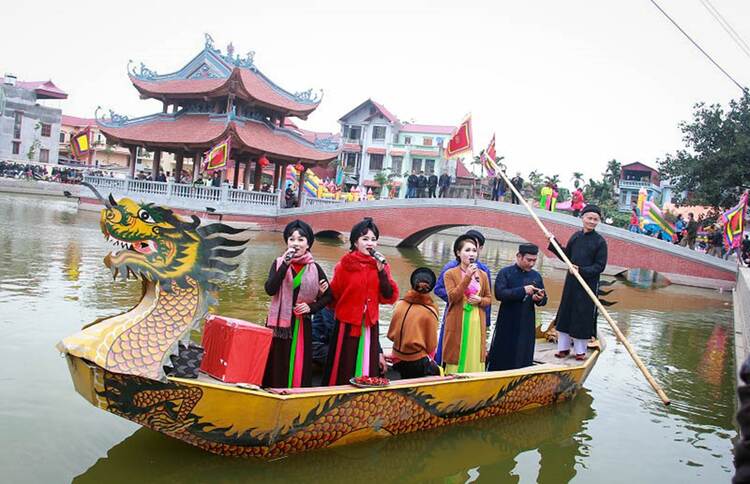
557	435
52	281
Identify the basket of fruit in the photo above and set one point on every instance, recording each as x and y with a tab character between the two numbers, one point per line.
369	382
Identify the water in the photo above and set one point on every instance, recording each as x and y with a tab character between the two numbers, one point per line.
52	281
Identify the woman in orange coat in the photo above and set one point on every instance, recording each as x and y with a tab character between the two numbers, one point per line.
468	289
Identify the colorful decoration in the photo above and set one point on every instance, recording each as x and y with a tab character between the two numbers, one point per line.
313	185
218	156
263	161
299	167
80	143
652	219
461	139
178	267
734	223
488	158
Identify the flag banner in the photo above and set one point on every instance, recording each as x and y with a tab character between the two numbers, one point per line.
734	223
218	156
488	158
80	144
461	139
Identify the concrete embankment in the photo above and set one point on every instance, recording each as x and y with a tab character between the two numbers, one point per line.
741	300
34	187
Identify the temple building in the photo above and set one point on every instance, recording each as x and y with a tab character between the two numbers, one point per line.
219	96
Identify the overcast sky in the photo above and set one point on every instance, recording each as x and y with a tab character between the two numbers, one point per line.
566	85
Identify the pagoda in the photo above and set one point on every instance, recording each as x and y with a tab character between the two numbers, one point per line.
215	97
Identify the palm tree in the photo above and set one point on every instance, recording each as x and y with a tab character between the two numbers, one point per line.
552	180
612	173
577	178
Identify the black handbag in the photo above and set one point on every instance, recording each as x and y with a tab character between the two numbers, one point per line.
187	361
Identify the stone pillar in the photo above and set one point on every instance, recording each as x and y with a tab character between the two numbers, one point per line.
196	165
236	179
179	160
276	175
282	176
258	176
133	160
157	164
300	188
246	175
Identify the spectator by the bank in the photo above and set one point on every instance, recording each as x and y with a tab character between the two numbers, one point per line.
421	185
444	183
432	182
691	232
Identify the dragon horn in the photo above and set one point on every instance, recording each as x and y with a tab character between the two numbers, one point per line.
98	195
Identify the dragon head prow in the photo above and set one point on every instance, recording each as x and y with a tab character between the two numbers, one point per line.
179	262
156	244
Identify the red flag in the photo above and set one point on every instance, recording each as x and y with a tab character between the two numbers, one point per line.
218	156
488	158
461	139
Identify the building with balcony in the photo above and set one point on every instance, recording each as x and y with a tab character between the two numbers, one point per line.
375	140
29	125
633	177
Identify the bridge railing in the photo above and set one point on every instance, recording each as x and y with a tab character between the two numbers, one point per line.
193	197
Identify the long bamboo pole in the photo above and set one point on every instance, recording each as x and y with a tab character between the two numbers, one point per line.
594	298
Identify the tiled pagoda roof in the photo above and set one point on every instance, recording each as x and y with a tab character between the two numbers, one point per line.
201	131
212	73
43	89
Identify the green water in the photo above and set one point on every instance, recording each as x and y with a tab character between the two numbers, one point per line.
52	281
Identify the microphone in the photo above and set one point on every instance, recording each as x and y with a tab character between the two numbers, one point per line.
377	255
289	256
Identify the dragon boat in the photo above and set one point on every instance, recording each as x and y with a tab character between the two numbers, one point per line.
118	363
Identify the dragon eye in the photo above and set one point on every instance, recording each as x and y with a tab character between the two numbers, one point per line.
145	216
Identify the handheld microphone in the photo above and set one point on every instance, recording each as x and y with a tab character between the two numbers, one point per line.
377	255
289	256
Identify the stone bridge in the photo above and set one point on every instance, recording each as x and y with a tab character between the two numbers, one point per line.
407	222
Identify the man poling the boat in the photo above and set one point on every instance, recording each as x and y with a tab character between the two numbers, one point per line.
468	291
576	317
519	288
574	271
294	282
361	282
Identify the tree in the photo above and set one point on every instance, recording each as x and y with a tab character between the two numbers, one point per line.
384	178
612	173
577	178
713	168
535	181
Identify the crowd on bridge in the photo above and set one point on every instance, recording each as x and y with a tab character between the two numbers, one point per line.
336	320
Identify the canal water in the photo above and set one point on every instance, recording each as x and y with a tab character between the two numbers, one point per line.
52	281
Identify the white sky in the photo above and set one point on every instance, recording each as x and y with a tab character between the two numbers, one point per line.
566	85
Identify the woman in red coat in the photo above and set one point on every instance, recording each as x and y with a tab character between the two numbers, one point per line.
361	282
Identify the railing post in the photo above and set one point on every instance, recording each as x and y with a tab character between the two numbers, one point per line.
127	185
224	195
169	189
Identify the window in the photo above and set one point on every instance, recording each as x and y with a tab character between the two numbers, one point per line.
376	162
353	133
62	136
350	161
46	130
378	132
396	165
395	139
16	147
44	156
429	166
427	141
17	124
407	140
99	138
416	164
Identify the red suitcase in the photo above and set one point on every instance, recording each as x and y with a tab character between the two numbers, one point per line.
235	351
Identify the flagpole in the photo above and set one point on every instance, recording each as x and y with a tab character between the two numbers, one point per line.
620	337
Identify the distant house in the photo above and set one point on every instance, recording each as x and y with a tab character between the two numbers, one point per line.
29	130
633	177
374	140
109	157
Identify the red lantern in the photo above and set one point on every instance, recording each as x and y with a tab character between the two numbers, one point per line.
263	161
299	167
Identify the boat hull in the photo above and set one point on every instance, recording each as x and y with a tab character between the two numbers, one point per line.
234	421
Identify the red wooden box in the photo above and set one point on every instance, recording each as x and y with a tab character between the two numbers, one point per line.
235	351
